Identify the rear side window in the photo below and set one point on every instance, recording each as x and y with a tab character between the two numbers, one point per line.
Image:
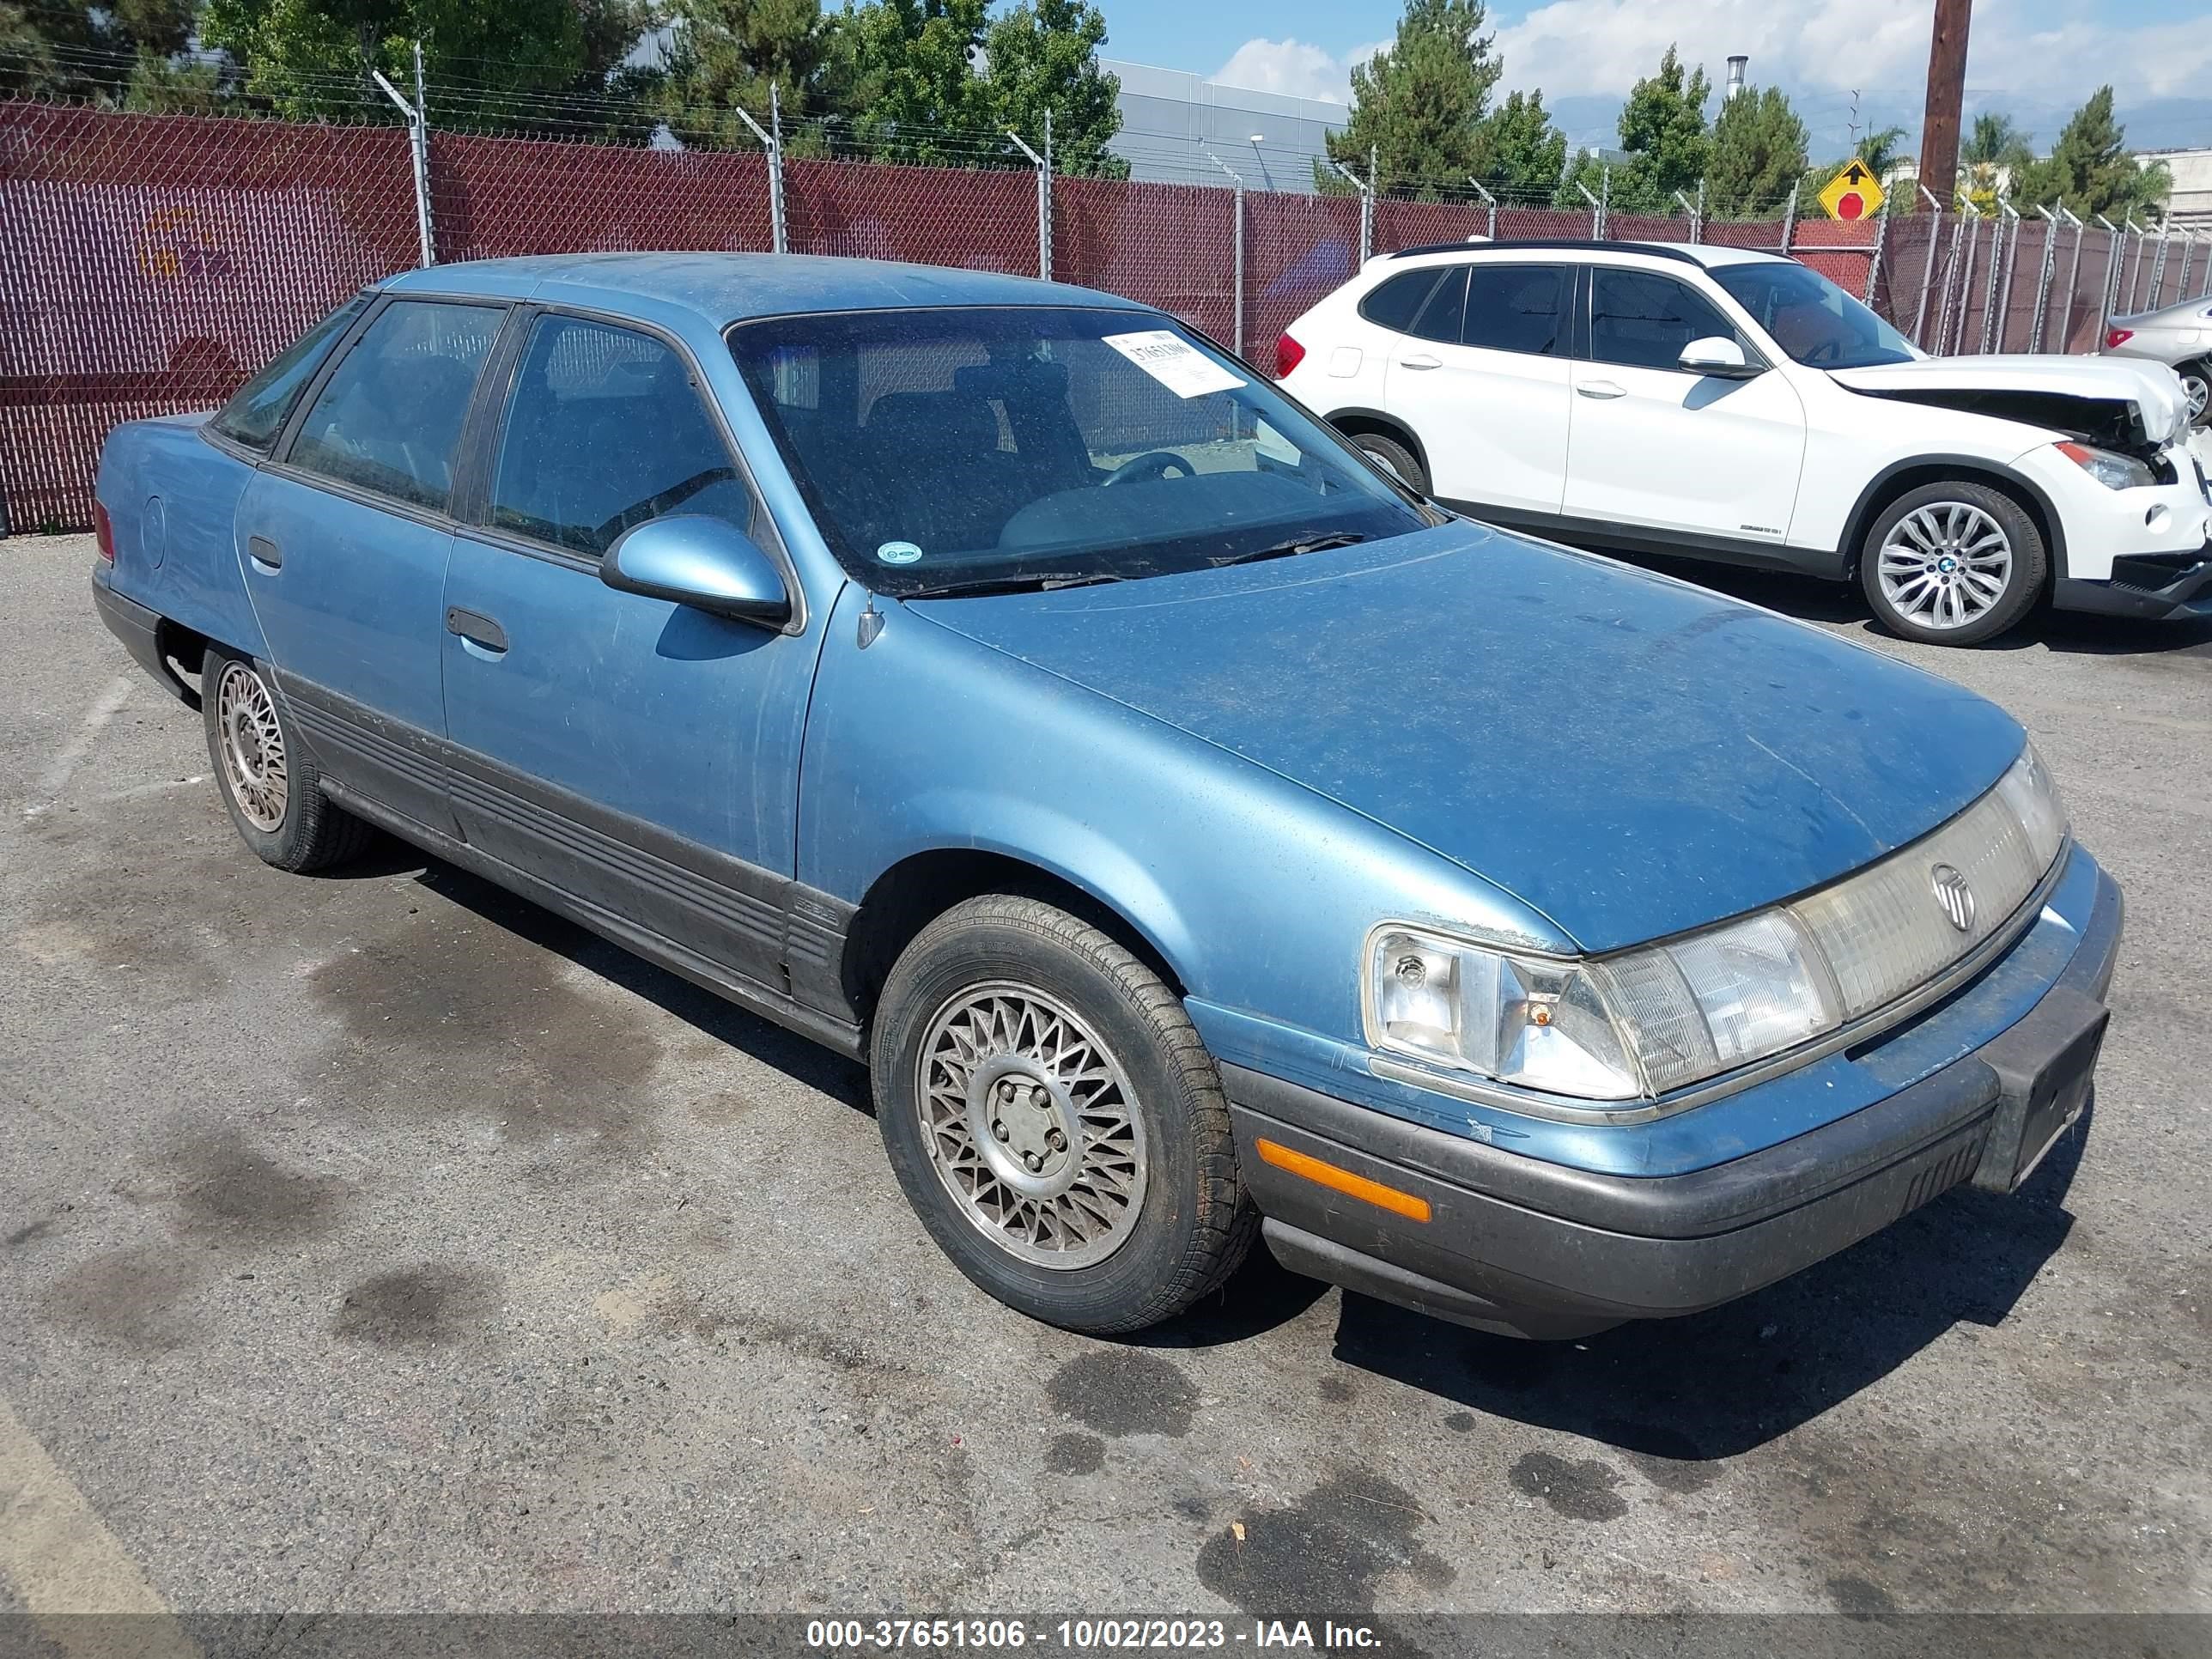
389	417
604	432
1439	318
1644	320
1395	304
1518	308
257	412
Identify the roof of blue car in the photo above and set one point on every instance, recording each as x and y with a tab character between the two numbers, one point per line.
725	288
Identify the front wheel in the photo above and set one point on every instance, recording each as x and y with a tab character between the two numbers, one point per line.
1952	563
268	779
2196	385
1055	1119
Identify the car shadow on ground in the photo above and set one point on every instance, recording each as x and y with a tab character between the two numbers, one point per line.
2071	632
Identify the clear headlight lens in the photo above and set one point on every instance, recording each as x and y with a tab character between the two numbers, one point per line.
2113	471
1649	1021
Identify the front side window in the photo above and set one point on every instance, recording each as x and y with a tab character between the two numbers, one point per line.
604	432
943	450
1520	308
1810	318
389	417
257	411
1643	321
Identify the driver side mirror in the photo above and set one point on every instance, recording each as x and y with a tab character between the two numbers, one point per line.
707	563
1719	356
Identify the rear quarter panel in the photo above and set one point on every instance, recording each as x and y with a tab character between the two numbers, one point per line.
172	497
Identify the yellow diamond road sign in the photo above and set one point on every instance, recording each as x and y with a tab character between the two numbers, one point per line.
1854	193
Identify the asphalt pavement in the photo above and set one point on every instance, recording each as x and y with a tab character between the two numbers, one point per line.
375	1240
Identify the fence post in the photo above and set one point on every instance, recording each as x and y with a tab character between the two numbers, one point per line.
1237	230
2073	276
1366	204
771	137
1044	195
1928	270
2135	282
2188	259
1880	238
1690	208
1597	209
1788	220
418	148
2158	268
2110	290
2043	275
1997	310
1970	221
1491	202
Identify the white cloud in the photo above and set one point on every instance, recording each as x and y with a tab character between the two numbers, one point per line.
1293	68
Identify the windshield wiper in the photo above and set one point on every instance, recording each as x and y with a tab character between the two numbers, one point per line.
1049	581
1285	550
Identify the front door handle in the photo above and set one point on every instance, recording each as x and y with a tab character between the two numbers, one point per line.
476	628
267	557
1600	389
1422	361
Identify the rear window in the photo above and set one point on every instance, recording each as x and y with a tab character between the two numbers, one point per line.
256	413
1395	304
1520	308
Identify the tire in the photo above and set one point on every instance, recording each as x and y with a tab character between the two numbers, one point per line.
1976	531
280	809
1394	458
994	990
2196	382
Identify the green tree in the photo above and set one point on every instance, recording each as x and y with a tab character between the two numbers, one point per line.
724	55
1757	154
1879	150
1517	149
2089	170
916	95
1418	105
1043	55
78	52
1663	128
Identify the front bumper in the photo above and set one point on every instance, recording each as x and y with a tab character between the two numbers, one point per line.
2172	585
1513	1244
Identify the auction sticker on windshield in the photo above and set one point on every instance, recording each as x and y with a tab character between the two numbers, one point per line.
1170	360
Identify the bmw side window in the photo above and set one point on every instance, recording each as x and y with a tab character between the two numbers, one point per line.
258	410
1520	308
1643	321
1440	318
1395	304
389	417
605	431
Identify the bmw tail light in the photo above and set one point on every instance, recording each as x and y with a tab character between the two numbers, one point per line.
2116	337
1289	354
103	531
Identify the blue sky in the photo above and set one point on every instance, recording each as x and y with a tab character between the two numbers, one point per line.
2038	58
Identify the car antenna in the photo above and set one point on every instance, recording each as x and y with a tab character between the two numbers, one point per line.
872	624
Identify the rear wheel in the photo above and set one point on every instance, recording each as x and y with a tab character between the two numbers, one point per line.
1952	563
1055	1119
1394	458
269	781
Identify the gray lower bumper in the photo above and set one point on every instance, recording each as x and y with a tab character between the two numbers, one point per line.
1537	1250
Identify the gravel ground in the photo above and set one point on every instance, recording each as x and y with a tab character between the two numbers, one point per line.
376	1242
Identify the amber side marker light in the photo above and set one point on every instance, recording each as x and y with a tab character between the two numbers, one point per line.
1343	1181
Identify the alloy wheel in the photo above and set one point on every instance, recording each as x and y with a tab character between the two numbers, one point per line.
252	747
1945	565
2196	386
1032	1126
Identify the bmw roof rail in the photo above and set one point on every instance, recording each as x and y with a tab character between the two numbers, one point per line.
1662	250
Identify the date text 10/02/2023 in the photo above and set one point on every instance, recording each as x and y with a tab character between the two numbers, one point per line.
1083	1635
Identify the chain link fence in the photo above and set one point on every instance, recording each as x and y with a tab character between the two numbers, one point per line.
148	262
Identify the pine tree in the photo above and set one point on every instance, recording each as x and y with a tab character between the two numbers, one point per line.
1663	128
1517	149
2089	170
723	56
1419	103
1757	154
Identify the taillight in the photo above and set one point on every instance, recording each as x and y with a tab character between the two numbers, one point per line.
2116	337
103	533
1289	354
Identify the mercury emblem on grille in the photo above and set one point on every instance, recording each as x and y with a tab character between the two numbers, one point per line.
1954	894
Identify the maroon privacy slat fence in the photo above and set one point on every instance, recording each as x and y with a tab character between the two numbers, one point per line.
148	262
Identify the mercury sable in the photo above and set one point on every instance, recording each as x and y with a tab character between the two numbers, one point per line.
1197	835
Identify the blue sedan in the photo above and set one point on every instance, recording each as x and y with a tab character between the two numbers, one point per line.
1198	836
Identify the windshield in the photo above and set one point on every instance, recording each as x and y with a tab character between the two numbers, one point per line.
950	449
1811	319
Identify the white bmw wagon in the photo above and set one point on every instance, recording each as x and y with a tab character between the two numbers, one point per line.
1719	404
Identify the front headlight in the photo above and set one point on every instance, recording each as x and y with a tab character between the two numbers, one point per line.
1646	1022
2112	471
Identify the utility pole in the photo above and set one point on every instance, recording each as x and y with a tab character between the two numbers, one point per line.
1946	91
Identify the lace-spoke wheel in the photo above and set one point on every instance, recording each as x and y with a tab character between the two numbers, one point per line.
270	782
1952	564
1054	1119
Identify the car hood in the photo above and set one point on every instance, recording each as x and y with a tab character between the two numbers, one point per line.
2022	387
1631	755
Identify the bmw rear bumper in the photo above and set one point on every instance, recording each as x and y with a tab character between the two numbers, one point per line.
1510	1243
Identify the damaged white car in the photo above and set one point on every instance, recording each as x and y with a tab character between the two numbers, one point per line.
1716	403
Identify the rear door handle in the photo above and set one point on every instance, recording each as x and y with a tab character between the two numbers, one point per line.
267	556
476	628
1600	389
1420	362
